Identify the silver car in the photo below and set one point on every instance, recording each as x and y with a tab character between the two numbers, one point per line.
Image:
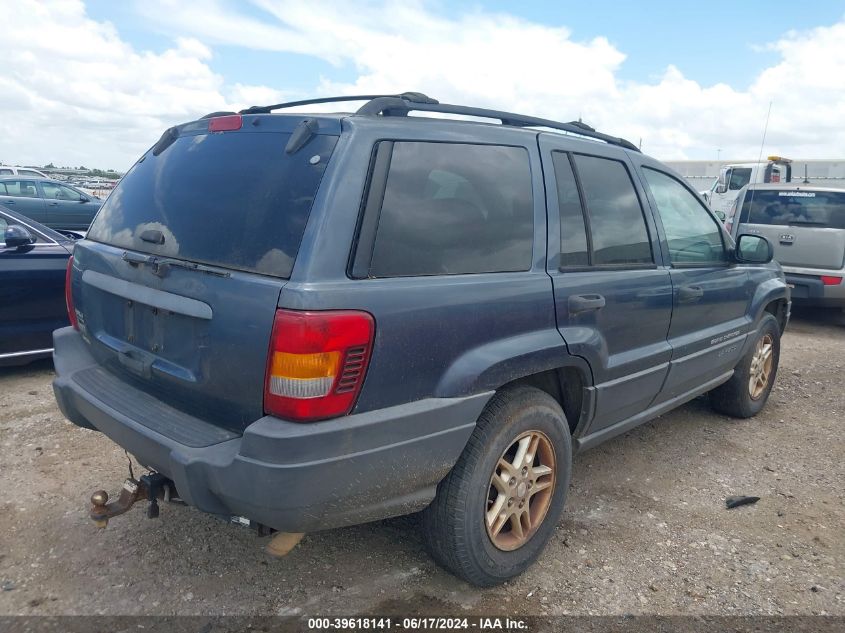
806	226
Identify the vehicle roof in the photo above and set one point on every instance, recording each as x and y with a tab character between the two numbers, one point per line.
39	178
784	186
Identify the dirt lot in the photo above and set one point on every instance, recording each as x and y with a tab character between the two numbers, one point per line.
645	531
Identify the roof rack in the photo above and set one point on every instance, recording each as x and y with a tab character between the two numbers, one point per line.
399	105
402	104
410	97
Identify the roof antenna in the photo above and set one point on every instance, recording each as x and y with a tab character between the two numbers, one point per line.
760	155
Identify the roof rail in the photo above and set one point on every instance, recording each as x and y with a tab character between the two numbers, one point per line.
399	105
405	97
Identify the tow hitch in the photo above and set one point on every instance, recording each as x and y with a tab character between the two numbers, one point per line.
150	487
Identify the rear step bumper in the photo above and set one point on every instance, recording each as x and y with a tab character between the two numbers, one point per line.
290	476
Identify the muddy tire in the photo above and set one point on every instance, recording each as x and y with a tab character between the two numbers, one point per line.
746	393
497	508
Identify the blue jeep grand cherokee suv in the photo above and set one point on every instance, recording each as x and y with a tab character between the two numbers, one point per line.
311	321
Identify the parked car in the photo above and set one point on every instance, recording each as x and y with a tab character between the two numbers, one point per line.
52	203
806	225
368	320
29	172
33	264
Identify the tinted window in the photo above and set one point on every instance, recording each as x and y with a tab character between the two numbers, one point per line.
692	234
454	208
801	208
573	234
234	199
740	176
617	225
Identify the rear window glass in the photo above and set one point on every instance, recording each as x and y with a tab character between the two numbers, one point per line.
235	200
454	208
803	208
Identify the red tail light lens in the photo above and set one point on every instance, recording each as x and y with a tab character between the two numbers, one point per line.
227	123
830	280
71	311
316	364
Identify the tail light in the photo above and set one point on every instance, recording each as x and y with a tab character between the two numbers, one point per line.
316	363
71	311
830	280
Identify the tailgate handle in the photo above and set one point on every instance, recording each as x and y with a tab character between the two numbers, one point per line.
585	303
136	366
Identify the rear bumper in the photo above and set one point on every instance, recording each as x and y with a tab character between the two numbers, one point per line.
289	476
809	290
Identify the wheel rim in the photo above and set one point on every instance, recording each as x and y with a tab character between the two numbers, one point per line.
761	366
520	491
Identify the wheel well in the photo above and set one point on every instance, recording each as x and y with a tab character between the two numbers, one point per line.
566	385
777	308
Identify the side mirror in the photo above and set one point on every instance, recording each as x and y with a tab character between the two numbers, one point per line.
721	215
17	236
84	199
753	249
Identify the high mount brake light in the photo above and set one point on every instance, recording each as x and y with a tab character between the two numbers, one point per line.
227	123
316	363
71	311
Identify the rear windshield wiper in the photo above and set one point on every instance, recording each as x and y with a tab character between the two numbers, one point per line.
159	265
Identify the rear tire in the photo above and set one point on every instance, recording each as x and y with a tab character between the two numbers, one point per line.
746	393
521	495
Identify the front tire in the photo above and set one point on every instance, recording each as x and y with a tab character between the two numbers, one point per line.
497	508
746	393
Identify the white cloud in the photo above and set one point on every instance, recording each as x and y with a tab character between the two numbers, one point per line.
75	92
497	60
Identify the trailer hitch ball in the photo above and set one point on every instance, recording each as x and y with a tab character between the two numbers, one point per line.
99	500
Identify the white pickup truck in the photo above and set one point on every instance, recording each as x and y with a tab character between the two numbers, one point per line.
722	195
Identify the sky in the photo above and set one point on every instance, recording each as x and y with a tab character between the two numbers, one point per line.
95	82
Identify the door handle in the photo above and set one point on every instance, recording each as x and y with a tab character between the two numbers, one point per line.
585	303
54	204
690	294
8	202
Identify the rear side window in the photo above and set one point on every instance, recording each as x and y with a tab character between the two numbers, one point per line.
235	200
573	233
454	208
617	224
824	209
21	188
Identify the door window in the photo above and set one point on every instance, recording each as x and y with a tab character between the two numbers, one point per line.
739	177
55	191
573	232
617	225
693	235
452	208
21	188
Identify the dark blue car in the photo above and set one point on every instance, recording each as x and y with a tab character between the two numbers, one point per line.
33	265
307	321
52	203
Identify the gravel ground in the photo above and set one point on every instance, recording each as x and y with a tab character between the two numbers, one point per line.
645	529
